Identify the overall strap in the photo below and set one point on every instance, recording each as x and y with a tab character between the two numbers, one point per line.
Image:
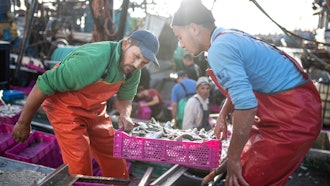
201	105
185	90
214	79
205	118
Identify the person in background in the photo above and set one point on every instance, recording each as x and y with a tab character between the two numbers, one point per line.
184	88
216	98
197	110
192	70
145	78
74	93
274	106
144	82
153	99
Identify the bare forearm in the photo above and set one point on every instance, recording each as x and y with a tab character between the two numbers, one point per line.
242	124
33	102
221	129
125	107
226	109
124	120
153	102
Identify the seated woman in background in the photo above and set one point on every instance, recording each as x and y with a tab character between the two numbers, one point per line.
152	98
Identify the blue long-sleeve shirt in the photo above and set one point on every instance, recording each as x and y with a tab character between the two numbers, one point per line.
243	65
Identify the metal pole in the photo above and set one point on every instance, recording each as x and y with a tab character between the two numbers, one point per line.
26	36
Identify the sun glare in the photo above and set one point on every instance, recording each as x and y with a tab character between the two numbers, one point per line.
241	14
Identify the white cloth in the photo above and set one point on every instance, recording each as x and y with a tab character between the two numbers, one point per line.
193	114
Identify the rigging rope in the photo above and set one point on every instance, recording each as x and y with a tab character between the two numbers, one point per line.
290	34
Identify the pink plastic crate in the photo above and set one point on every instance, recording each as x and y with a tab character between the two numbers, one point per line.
11	120
197	154
53	158
35	149
6	140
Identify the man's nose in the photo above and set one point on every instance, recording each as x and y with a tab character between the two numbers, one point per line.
138	64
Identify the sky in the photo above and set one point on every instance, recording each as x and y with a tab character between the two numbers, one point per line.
244	14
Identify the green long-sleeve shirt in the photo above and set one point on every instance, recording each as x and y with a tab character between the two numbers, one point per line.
85	65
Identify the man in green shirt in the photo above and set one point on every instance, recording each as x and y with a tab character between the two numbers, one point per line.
74	94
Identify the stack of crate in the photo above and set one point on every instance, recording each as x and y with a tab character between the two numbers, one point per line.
41	148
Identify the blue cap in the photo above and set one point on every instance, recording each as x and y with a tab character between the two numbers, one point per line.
149	44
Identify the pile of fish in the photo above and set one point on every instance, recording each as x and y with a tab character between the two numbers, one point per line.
7	110
156	130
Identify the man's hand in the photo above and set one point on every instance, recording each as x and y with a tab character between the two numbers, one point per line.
22	128
220	129
21	132
126	123
234	173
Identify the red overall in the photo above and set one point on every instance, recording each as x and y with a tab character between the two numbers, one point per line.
290	121
84	130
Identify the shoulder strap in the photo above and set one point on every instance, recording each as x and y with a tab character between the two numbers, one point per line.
200	103
184	88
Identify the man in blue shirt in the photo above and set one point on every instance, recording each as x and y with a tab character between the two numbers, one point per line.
193	70
184	87
275	109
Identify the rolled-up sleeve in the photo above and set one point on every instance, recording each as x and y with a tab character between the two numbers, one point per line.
226	63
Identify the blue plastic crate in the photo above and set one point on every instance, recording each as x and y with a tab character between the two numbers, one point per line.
10	95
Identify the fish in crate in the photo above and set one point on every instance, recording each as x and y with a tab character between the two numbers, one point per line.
159	142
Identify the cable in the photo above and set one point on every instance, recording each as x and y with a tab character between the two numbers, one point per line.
325	65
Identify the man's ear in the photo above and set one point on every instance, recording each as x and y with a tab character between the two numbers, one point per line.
194	28
125	44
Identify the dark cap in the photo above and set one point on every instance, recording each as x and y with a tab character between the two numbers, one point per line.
149	44
181	73
192	11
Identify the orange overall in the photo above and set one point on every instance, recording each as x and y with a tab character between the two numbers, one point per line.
290	121
84	130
